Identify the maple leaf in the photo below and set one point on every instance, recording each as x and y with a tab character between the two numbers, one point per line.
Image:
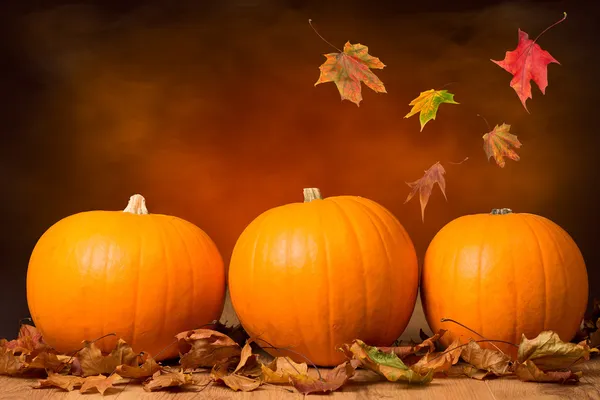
48	361
90	361
428	103
65	382
10	364
333	380
280	369
147	369
529	372
245	373
100	383
162	379
439	362
435	174
28	341
528	62
485	362
205	348
385	364
404	351
549	352
348	69
497	144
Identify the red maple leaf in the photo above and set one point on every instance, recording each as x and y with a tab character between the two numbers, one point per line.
528	62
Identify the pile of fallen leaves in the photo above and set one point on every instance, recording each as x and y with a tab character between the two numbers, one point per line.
226	356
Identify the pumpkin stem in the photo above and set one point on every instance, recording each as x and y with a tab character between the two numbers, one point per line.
311	194
136	205
501	211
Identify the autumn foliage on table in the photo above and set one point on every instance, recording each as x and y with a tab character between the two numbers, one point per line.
213	357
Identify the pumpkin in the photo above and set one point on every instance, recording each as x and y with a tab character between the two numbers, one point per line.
312	276
144	277
503	275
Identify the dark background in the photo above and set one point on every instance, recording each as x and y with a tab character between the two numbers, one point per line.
208	109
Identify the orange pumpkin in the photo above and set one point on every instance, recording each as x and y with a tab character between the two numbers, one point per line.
311	276
504	274
145	277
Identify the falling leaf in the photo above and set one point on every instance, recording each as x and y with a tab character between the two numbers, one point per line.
280	369
385	364
529	372
100	383
527	62
333	380
486	360
161	380
205	348
148	368
428	103
548	352
497	144
65	382
90	361
435	174
439	362
348	69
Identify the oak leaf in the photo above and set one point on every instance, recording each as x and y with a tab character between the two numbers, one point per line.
435	174
348	69
145	370
527	62
427	104
529	372
205	348
485	361
497	144
333	380
162	379
547	351
91	361
385	364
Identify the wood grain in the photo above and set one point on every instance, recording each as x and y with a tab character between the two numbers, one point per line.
365	385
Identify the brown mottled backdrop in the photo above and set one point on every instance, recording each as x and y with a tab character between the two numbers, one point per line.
208	109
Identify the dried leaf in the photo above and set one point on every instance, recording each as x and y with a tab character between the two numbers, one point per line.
100	383
403	351
280	369
147	369
435	174
529	372
497	144
439	362
90	361
428	103
527	62
348	69
161	380
28	341
10	364
205	348
385	364
220	373
64	382
248	365
490	361
49	361
548	352
334	379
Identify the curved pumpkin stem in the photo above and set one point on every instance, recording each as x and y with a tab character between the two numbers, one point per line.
136	205
311	194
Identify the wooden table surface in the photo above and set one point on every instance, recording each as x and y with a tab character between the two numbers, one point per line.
365	385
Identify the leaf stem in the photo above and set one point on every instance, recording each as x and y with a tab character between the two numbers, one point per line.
447	84
551	26
466	344
486	122
475	332
458	163
322	38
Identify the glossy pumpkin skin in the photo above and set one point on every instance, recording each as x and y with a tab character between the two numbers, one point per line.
504	276
144	277
318	274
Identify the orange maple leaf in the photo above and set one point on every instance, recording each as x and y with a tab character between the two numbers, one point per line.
497	144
